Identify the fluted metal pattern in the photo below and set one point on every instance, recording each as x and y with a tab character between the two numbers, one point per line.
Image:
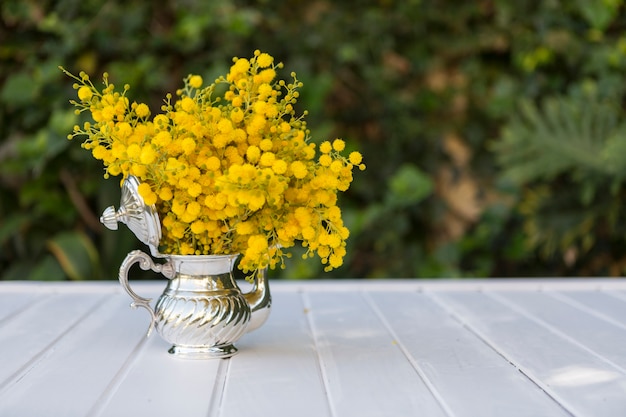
213	319
202	311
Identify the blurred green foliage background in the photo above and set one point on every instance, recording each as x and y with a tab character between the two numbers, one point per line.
493	130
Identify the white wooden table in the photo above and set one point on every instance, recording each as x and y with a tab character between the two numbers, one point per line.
359	348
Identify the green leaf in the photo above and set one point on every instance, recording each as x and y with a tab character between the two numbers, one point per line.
11	225
409	185
599	13
19	270
560	136
76	254
19	89
48	269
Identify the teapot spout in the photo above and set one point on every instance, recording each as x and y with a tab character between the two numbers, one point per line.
260	300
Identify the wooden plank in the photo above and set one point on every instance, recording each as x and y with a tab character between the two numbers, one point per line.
60	287
601	337
364	370
329	349
471	285
471	377
607	305
276	372
78	368
32	334
583	383
156	383
12	304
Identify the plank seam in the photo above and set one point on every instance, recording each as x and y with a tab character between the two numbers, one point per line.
107	394
494	346
582	307
429	385
47	351
27	306
219	388
320	361
525	313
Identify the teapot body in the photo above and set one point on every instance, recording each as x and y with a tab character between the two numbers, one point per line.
202	311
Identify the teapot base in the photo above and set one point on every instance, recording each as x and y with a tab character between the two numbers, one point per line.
203	352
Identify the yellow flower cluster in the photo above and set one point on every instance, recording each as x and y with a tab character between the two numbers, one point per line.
228	173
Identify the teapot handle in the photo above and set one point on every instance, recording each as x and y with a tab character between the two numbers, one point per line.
145	263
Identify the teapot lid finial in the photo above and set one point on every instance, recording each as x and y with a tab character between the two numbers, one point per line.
140	218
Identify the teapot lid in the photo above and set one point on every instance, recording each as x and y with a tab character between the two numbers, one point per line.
140	218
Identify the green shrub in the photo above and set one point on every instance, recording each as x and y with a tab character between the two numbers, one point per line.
471	117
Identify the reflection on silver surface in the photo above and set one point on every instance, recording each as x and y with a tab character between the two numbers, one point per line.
202	311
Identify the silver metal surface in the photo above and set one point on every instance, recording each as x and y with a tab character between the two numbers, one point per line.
145	263
140	218
260	300
202	310
202	315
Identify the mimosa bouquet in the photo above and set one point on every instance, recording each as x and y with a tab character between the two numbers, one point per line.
229	166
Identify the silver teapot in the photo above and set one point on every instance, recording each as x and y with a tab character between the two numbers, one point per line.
202	310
